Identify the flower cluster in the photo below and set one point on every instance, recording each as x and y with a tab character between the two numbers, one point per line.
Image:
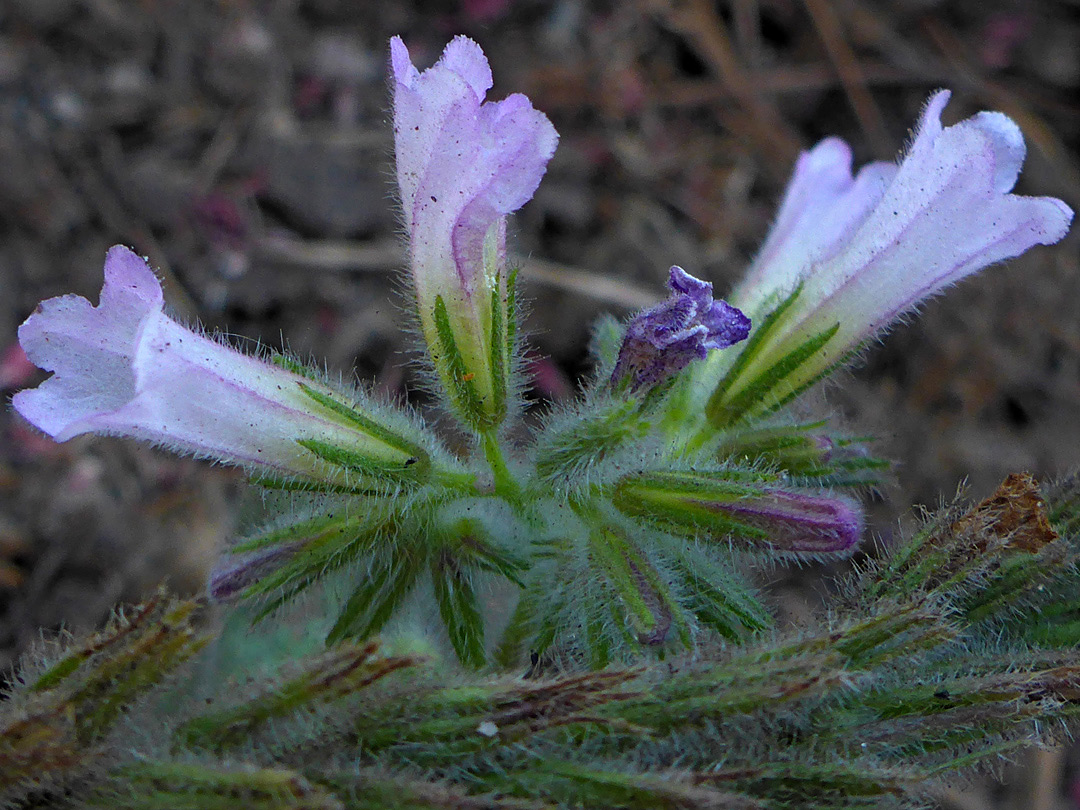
626	519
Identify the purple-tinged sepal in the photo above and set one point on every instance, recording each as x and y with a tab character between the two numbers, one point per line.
848	255
463	165
806	453
731	505
663	340
650	611
230	579
125	368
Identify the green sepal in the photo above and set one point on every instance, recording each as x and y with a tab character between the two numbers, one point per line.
511	310
605	341
568	453
411	467
511	648
390	579
299	369
751	349
690	502
413	460
798	451
473	542
787	447
301	485
329	545
317	529
756	398
459	609
463	394
719	599
532	623
503	335
651	611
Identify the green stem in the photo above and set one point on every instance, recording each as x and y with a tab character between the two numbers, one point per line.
455	479
505	484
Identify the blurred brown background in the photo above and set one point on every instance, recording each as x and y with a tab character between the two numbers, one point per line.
244	147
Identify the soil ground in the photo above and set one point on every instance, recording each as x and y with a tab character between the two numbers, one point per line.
244	147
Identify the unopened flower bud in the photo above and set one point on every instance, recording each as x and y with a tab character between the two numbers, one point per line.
721	504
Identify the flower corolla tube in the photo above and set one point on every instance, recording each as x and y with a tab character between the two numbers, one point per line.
463	165
125	368
848	255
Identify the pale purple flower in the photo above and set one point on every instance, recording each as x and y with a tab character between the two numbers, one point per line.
663	340
869	248
125	368
463	165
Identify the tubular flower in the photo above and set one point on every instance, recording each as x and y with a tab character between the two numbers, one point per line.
848	255
663	340
463	165
125	368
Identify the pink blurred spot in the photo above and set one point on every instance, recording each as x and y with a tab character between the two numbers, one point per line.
16	370
1074	793
310	95
221	219
1001	36
550	380
28	444
484	10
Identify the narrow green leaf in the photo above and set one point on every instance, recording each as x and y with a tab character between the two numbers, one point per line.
300	485
524	623
411	467
511	311
463	393
297	368
688	503
459	609
487	556
391	578
610	553
750	349
499	356
756	393
718	599
340	523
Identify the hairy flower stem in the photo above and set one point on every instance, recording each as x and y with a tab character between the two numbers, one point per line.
506	485
455	479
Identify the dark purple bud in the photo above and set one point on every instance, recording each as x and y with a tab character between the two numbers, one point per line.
799	522
722	504
663	340
228	581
